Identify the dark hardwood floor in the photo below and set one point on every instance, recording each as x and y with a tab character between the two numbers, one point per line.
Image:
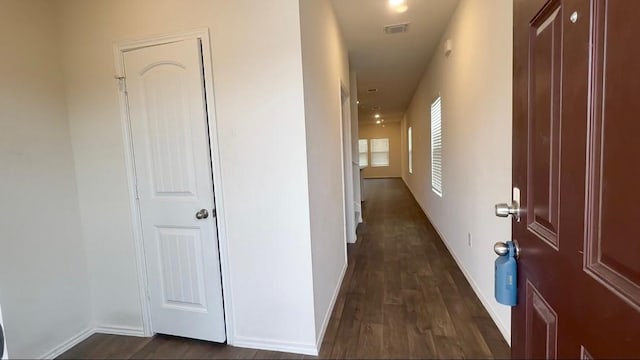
403	297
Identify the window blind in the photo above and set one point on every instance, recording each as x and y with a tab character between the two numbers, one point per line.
379	152
363	149
436	146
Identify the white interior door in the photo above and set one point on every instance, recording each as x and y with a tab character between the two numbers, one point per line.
167	110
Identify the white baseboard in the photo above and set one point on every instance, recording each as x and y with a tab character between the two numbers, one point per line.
267	344
120	330
506	333
332	304
382	177
68	344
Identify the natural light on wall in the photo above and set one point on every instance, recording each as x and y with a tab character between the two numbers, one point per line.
436	147
363	149
379	152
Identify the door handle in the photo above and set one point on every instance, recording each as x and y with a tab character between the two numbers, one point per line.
504	210
502	248
202	214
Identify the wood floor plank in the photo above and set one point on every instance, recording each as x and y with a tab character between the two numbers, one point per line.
101	346
395	338
402	296
421	344
370	341
448	348
346	343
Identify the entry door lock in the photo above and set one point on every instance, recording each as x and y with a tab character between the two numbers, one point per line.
504	210
513	209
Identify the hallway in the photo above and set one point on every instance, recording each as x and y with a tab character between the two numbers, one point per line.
403	296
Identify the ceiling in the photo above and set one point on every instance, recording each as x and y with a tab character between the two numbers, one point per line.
394	64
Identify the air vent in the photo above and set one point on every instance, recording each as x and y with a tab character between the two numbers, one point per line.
372	90
396	29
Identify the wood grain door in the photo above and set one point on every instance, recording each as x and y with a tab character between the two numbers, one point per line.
577	163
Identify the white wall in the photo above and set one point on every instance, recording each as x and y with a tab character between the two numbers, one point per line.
44	288
325	66
260	120
475	83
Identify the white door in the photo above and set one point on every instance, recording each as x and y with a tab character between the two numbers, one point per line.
167	110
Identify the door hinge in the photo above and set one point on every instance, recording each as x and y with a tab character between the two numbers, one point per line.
214	213
122	83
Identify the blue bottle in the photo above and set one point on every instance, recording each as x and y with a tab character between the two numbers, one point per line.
506	273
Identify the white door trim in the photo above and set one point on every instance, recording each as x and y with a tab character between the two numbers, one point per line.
347	161
119	50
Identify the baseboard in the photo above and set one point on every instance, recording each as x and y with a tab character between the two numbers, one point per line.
382	177
506	333
120	330
266	344
68	344
332	304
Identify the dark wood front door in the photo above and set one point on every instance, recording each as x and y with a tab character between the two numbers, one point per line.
576	146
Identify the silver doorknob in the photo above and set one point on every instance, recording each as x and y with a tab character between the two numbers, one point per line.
504	210
502	249
202	214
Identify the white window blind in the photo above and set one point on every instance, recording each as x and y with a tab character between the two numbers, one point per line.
436	146
363	149
379	152
410	149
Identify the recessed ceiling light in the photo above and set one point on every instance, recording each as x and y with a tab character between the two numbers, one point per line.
358	102
378	122
382	120
377	116
398	6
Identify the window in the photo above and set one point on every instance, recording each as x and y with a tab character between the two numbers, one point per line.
379	152
363	148
410	150
436	147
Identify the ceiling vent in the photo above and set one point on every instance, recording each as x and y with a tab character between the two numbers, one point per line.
396	29
372	90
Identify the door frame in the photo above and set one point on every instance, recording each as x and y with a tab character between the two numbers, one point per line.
119	50
347	164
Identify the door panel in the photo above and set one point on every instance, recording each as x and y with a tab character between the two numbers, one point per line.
542	326
576	80
167	110
544	123
182	270
610	257
166	105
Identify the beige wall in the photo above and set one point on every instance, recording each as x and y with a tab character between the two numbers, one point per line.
325	65
392	132
44	287
257	77
475	83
